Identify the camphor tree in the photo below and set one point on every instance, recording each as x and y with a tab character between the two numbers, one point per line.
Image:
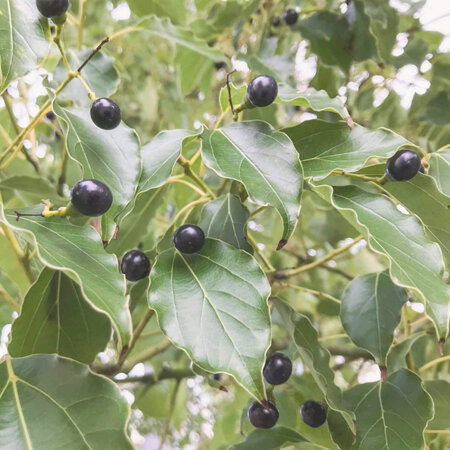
202	246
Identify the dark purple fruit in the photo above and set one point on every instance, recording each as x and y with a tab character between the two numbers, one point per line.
262	90
91	198
105	114
290	17
52	8
403	166
263	416
313	413
135	265
189	239
278	369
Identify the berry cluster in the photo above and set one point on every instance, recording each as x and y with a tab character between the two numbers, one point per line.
290	17
277	370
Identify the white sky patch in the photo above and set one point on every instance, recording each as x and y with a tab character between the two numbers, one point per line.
121	12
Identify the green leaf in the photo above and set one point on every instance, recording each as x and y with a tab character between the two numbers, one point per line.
55	318
311	98
421	197
414	261
440	393
226	219
264	160
78	251
162	28
397	354
329	36
313	355
31	189
110	156
159	157
371	309
135	225
325	146
23	39
213	305
192	70
271	439
237	95
392	414
100	74
173	9
440	170
51	402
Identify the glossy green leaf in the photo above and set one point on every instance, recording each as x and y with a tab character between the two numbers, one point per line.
421	197
311	98
159	157
78	251
396	358
313	355
51	402
271	439
100	74
264	160
329	36
31	189
392	414
226	219
415	262
193	70
55	318
440	393
23	39
202	300
162	28
371	309
111	156
135	225
440	170
324	146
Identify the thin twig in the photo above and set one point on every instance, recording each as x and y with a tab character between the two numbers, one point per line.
230	101
96	50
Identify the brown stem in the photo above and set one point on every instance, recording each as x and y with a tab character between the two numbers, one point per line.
96	50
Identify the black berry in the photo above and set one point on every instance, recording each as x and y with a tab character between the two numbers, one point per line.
263	416
276	21
313	413
403	166
262	90
290	17
91	198
278	369
105	114
135	265
52	8
50	116
189	239
220	65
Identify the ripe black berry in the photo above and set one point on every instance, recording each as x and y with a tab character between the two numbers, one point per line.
189	239
263	416
135	265
276	21
313	413
262	90
105	113
278	369
403	166
52	8
91	198
290	17
50	116
220	65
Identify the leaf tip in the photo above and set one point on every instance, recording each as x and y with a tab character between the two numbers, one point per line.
281	244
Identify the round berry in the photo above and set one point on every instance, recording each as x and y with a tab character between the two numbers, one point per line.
189	239
403	166
278	369
290	17
91	198
262	90
50	116
276	21
105	114
220	65
135	265
52	8
263	416
313	413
